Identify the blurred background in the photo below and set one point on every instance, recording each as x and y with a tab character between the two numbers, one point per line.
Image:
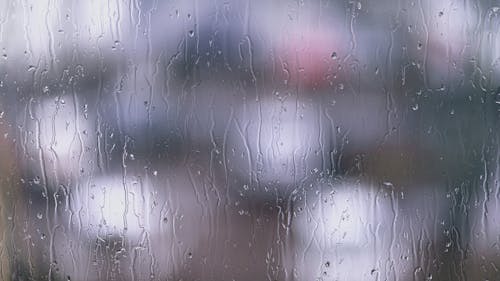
249	140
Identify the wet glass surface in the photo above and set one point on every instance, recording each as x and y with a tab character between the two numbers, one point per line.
249	140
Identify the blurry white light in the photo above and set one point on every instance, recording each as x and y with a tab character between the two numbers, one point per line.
63	131
343	214
338	229
490	46
35	31
450	27
105	220
280	140
449	21
354	231
151	221
33	23
112	205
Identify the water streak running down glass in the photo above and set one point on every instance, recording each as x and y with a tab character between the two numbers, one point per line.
249	140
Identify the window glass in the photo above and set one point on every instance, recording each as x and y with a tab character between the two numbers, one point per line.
249	140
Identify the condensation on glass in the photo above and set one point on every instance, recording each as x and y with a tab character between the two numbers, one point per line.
249	140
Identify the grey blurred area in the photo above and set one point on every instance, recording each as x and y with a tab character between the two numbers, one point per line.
249	140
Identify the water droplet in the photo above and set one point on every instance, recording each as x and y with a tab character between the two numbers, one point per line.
191	33
39	216
334	55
